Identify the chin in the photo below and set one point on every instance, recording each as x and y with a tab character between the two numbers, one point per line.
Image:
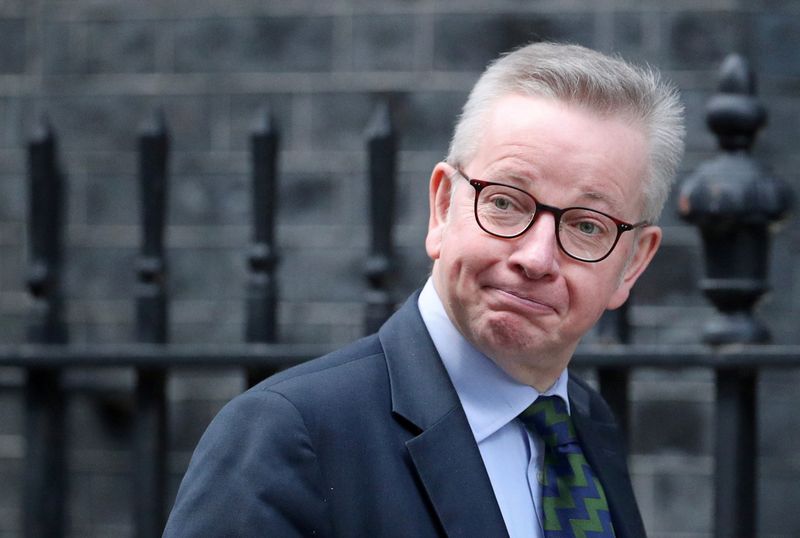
507	337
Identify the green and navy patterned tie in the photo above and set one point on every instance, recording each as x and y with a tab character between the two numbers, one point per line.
573	501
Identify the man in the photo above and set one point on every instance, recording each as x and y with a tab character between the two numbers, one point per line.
459	417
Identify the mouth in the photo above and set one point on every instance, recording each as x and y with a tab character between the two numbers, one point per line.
521	301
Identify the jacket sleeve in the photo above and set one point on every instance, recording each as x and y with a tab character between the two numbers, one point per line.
254	473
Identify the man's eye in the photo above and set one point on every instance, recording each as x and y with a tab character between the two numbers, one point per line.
501	203
588	228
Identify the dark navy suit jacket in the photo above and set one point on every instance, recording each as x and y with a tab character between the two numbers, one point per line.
370	440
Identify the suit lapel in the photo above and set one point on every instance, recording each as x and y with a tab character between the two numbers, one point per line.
451	469
443	450
600	442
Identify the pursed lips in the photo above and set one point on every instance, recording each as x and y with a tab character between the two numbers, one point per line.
525	301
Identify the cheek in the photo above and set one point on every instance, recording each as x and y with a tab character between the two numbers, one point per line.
590	294
481	260
468	251
465	267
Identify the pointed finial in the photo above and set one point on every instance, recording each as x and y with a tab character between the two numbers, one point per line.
734	113
735	76
155	125
380	124
264	123
43	129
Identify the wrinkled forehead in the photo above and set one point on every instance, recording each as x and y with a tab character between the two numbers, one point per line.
532	141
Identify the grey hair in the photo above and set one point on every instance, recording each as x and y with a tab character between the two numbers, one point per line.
606	85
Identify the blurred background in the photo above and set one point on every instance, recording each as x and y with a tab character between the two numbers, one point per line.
100	69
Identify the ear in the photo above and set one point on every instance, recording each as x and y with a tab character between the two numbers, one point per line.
647	244
439	200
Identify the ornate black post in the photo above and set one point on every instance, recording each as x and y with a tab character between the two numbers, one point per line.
732	199
45	476
262	293
382	150
151	328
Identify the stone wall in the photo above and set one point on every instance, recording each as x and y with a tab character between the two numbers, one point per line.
100	69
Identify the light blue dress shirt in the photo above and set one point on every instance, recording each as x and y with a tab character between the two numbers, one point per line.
492	400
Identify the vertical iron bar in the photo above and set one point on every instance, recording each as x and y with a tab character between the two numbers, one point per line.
382	150
614	328
614	386
45	460
735	451
151	327
262	294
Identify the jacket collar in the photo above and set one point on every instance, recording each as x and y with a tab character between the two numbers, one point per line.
442	449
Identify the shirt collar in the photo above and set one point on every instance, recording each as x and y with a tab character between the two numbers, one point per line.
490	397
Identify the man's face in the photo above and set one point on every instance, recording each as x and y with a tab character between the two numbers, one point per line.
522	301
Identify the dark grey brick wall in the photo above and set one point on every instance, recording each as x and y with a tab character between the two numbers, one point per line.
100	69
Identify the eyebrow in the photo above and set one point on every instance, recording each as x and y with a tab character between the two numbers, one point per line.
525	180
602	198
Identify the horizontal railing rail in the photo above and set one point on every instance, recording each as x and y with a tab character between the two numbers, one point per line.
279	356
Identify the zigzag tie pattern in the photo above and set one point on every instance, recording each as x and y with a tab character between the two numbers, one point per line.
573	501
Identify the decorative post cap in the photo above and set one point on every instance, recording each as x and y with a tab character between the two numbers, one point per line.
734	113
733	199
734	187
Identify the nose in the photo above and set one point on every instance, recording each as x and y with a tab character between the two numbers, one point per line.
536	251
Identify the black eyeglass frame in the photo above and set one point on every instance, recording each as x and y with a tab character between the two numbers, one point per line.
622	226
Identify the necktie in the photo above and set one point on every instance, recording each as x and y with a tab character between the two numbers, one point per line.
573	501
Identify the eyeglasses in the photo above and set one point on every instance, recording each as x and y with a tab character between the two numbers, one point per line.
582	233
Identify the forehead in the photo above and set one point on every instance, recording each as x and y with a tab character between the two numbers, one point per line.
557	149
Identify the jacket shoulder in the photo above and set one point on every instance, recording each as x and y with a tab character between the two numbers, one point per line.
352	376
356	354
